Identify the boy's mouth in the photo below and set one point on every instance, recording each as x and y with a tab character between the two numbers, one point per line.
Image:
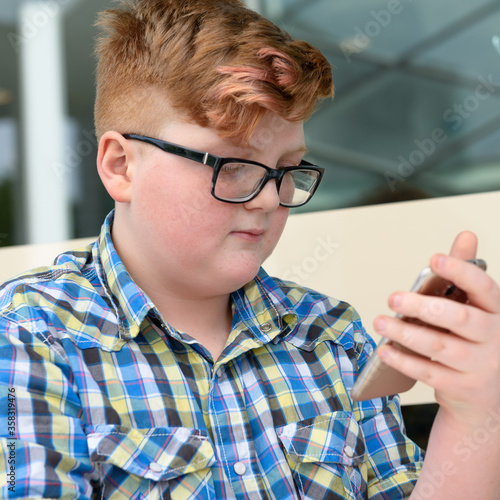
252	235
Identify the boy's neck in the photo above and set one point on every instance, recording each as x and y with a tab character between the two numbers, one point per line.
207	321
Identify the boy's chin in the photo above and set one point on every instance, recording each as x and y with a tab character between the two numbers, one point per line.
240	279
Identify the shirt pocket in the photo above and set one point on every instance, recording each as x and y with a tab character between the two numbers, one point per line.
145	463
326	456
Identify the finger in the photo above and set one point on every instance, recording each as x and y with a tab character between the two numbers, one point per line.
482	291
445	348
464	320
439	377
451	386
465	246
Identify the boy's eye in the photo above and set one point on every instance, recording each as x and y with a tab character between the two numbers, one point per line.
233	169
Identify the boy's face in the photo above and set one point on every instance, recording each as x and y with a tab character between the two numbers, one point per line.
187	240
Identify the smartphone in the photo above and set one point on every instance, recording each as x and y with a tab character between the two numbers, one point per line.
378	379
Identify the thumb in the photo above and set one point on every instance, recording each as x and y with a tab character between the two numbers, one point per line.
465	246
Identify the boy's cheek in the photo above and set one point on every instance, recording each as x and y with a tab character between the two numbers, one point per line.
195	208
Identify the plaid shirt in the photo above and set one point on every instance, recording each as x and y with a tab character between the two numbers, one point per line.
100	398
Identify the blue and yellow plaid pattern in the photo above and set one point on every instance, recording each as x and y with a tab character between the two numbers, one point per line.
112	403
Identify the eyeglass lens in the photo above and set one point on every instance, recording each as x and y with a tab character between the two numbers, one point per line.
240	181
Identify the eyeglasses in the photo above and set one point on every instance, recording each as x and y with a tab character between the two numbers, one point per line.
239	181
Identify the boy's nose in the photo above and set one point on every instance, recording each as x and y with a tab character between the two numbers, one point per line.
268	199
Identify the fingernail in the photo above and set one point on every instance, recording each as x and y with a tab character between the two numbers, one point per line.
396	300
380	324
441	260
385	353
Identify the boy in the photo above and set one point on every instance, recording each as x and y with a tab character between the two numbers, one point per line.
163	362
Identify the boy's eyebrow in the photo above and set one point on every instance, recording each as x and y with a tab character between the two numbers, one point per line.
301	149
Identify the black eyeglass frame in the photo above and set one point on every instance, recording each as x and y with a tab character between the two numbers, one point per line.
217	162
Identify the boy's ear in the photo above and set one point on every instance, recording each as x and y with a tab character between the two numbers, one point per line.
116	159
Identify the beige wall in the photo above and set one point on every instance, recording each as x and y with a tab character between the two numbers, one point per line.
359	255
16	259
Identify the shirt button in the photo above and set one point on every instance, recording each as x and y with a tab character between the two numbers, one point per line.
349	451
155	467
266	328
220	372
240	468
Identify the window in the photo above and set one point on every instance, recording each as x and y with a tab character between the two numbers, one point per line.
416	112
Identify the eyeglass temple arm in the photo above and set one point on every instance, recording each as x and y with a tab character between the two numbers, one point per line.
168	147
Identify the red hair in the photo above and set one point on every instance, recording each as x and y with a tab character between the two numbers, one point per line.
216	62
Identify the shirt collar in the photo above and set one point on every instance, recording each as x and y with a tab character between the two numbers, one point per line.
131	304
264	309
274	310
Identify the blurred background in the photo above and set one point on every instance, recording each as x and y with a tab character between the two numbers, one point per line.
416	113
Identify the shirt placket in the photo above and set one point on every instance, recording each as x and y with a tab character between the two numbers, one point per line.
227	412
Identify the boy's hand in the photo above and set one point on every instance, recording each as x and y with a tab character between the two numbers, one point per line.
463	368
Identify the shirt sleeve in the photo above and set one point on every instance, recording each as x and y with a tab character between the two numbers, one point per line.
394	461
42	441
